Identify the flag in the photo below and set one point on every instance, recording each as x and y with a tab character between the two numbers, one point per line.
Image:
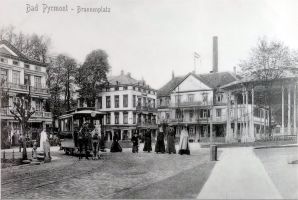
196	55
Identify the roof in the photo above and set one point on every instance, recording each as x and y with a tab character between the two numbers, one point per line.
212	80
169	86
218	79
126	79
20	55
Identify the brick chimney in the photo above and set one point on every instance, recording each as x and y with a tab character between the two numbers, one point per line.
215	54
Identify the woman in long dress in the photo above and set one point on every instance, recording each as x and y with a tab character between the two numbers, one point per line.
183	143
160	144
115	147
147	144
171	140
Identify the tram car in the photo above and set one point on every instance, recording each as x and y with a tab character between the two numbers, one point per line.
71	123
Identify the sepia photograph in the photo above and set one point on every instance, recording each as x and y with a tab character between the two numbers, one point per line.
149	99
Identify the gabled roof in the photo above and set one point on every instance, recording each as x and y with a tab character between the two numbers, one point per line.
20	55
169	86
218	79
212	80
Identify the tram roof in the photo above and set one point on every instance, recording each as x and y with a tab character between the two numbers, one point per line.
88	112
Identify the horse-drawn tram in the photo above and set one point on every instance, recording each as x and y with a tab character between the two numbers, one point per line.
71	123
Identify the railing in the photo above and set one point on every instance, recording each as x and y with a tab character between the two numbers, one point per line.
25	87
146	108
40	90
193	103
163	105
40	114
147	124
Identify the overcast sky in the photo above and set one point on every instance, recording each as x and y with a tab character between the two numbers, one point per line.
150	38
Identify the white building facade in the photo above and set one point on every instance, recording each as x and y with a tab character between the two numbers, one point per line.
199	102
18	75
130	106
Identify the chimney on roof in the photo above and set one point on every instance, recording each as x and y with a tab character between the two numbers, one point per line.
122	72
215	54
129	75
173	74
235	70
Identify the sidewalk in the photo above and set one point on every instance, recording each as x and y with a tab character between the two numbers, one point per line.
239	174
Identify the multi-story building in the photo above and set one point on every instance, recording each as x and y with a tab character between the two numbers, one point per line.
199	101
20	74
130	106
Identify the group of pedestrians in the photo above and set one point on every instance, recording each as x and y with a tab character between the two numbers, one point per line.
89	140
160	146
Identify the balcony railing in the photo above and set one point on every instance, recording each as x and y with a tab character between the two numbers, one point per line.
147	124
37	114
146	108
191	104
25	88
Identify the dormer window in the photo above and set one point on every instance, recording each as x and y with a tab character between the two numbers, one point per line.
125	88
116	88
27	66
14	62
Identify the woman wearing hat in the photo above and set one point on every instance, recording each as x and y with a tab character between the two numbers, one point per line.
171	140
183	143
147	144
160	144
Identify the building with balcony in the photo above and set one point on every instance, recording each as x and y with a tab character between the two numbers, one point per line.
199	102
20	74
130	106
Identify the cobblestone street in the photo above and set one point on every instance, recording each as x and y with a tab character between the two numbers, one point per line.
116	174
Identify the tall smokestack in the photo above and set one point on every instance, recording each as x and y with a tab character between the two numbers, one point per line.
215	54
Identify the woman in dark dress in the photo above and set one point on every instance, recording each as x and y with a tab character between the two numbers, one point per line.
171	140
160	144
115	147
147	142
135	143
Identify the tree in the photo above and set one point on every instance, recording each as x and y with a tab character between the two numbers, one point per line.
92	75
34	46
61	74
268	62
22	112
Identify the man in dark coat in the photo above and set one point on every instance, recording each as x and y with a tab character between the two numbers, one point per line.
135	143
81	142
147	142
160	144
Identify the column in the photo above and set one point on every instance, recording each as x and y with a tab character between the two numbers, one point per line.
251	129
247	115
295	109
289	110
282	110
236	116
121	134
229	134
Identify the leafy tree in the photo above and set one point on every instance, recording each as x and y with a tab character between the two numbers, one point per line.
92	75
269	61
61	74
